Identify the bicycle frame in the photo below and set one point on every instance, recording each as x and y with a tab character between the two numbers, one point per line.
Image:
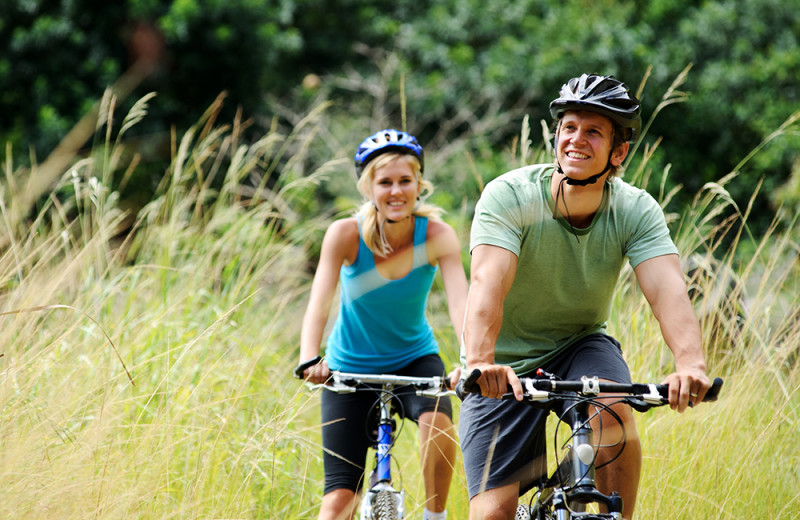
381	480
383	464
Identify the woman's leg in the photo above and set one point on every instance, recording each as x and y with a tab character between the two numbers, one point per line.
345	444
339	504
438	456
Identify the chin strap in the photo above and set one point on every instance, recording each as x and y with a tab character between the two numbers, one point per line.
560	195
585	182
574	182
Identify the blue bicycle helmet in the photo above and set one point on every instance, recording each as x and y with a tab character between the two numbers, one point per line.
605	95
387	141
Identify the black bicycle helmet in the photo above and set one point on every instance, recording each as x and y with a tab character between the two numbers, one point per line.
605	95
387	141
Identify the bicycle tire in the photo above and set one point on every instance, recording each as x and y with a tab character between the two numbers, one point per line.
384	507
523	512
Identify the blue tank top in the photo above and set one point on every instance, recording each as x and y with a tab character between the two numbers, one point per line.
381	325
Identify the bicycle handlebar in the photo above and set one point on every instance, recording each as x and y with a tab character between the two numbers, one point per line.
345	382
542	389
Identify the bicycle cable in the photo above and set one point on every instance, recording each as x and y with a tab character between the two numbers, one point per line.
396	408
599	408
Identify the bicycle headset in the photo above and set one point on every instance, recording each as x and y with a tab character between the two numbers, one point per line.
606	96
387	141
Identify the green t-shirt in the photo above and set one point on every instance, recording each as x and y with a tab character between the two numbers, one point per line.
564	285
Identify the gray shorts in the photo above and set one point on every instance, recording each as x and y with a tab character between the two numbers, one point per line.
503	442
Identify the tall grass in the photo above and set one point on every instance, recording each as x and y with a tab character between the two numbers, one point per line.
148	376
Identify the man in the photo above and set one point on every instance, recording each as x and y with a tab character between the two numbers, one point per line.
548	243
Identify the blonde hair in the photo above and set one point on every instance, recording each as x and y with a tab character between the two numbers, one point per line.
372	230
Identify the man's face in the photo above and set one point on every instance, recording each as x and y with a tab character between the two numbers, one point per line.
584	144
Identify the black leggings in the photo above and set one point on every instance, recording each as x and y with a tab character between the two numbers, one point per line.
349	423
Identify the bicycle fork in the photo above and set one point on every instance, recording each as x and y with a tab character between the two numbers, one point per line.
381	495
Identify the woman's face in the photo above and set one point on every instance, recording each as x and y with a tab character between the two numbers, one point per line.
395	189
584	144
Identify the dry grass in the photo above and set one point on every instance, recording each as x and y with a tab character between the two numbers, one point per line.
202	307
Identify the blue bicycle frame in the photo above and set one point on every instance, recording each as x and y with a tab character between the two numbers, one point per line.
385	440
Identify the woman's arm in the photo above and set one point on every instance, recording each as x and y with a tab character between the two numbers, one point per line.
446	251
339	246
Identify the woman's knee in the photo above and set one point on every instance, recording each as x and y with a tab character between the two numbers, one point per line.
338	504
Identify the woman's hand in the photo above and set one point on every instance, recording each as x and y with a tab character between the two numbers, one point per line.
454	376
314	371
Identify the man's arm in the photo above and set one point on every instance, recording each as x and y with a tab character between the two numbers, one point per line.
662	283
492	273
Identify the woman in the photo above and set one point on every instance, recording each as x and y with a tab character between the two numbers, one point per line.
385	257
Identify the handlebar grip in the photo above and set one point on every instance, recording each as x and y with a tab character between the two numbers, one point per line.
298	371
713	392
469	385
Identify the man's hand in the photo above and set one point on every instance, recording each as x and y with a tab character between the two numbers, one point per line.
687	387
495	379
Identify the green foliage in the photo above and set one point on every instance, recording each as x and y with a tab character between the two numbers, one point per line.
461	74
55	61
742	88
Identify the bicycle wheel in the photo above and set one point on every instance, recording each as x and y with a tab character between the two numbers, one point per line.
523	512
385	506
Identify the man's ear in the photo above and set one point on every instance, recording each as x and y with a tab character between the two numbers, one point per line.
619	154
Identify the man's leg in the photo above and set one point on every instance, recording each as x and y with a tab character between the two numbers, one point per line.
623	474
600	355
495	504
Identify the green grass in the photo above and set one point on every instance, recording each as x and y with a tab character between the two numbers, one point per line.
202	307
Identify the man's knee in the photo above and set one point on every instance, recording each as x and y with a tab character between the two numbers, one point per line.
495	504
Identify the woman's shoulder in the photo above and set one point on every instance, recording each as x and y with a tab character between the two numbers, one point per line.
437	226
346	227
344	232
343	239
441	238
436	223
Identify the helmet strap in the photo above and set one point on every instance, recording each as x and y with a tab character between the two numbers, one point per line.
560	195
583	182
574	182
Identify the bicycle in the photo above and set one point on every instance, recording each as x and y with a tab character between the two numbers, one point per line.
570	488
382	500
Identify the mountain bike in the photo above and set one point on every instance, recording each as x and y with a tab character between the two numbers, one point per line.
566	493
384	500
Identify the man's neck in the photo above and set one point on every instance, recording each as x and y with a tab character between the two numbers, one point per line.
577	204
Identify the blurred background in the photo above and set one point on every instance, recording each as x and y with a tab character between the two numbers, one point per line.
460	74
